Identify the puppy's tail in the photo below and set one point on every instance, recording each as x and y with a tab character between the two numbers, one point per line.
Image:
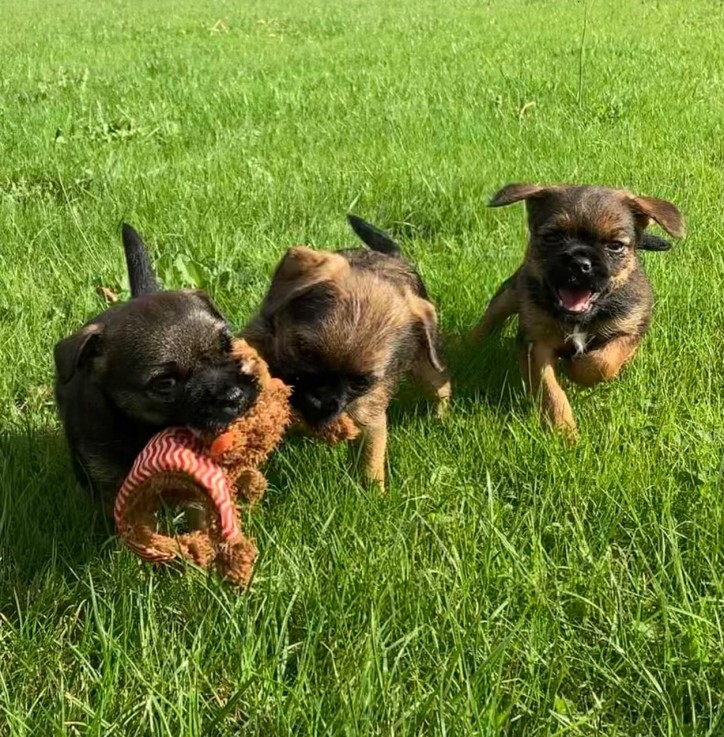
373	237
140	271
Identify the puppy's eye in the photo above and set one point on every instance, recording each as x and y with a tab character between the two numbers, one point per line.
162	387
551	238
360	384
615	246
306	354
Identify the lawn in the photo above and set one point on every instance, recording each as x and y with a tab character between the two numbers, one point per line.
506	585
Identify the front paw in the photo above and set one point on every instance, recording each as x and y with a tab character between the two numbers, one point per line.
568	432
442	408
564	426
559	418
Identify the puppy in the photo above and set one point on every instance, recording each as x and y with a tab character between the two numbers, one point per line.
341	328
581	294
160	359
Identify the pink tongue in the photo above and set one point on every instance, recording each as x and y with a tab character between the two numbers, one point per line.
575	300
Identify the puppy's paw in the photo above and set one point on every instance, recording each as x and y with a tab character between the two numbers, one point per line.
376	484
564	428
561	422
567	431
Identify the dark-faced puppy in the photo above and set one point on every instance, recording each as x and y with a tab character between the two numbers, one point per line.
581	294
342	328
158	360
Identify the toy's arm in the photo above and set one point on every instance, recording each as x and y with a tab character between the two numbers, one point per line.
343	428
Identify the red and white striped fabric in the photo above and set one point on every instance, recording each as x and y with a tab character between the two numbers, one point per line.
178	450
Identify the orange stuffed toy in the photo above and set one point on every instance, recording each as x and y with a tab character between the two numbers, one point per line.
208	475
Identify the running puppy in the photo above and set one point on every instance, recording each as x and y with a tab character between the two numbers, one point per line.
341	328
581	294
160	359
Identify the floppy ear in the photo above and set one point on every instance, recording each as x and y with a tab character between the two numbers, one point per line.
426	325
663	212
77	350
653	243
515	193
300	269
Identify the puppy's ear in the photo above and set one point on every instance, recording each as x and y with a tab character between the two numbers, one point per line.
373	237
77	351
300	262
653	243
425	320
300	269
208	305
515	193
663	212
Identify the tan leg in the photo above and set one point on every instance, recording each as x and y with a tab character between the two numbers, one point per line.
373	440
438	381
370	414
538	363
603	364
502	306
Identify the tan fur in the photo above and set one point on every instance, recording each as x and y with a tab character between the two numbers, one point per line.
612	215
505	304
300	269
373	312
538	362
603	364
623	276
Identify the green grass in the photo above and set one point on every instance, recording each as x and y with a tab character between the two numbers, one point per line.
506	585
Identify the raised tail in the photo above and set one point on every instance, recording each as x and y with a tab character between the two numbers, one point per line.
140	271
373	237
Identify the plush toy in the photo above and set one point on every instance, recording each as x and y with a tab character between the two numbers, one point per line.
206	475
339	431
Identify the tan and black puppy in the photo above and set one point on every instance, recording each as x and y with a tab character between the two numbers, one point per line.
342	328
581	294
160	359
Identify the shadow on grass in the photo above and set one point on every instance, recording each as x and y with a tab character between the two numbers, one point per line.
481	372
47	523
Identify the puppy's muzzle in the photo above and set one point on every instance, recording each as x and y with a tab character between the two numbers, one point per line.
320	405
577	277
219	398
578	267
232	402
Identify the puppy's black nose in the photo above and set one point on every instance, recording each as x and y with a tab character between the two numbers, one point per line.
231	399
232	396
579	262
323	405
319	407
583	264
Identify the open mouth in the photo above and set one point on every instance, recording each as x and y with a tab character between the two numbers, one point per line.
577	300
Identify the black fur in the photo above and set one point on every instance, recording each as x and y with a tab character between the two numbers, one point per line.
161	359
373	237
651	242
140	271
